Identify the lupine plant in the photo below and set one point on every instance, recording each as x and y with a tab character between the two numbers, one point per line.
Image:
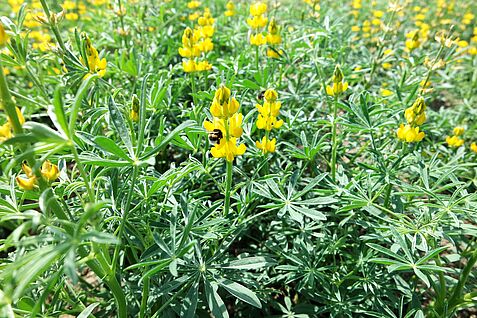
280	158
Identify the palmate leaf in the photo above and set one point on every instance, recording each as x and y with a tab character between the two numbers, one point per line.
25	270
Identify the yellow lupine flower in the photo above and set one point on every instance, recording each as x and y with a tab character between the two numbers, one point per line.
458	131
26	184
49	171
257	22
412	41
273	36
3	36
215	124
386	92
29	182
194	16
258	39
235	125
230	6
5	132
193	4
223	106
189	66
268	112
134	113
226	120
274	54
94	63
203	66
415	115
454	141
336	88
266	145
268	123
228	149
258	9
473	147
339	85
408	133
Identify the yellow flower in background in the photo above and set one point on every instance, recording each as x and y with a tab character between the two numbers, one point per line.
274	54
134	113
198	42
409	134
49	171
257	22
412	41
339	85
258	9
258	39
193	4
386	92
454	141
473	147
458	131
267	120
230	12
266	145
3	36
94	63
194	16
5	132
273	36
189	48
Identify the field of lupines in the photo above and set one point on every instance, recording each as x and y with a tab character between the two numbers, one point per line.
282	158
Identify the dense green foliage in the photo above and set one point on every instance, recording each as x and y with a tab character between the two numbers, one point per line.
136	223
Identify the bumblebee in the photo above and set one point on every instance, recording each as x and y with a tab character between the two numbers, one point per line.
215	136
261	95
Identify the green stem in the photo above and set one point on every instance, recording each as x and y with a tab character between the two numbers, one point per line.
441	293
11	110
127	208
333	139
228	185
8	104
257	64
53	26
456	297
145	296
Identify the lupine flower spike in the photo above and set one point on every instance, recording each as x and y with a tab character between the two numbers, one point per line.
415	117
267	120
339	85
257	22
226	126
94	63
